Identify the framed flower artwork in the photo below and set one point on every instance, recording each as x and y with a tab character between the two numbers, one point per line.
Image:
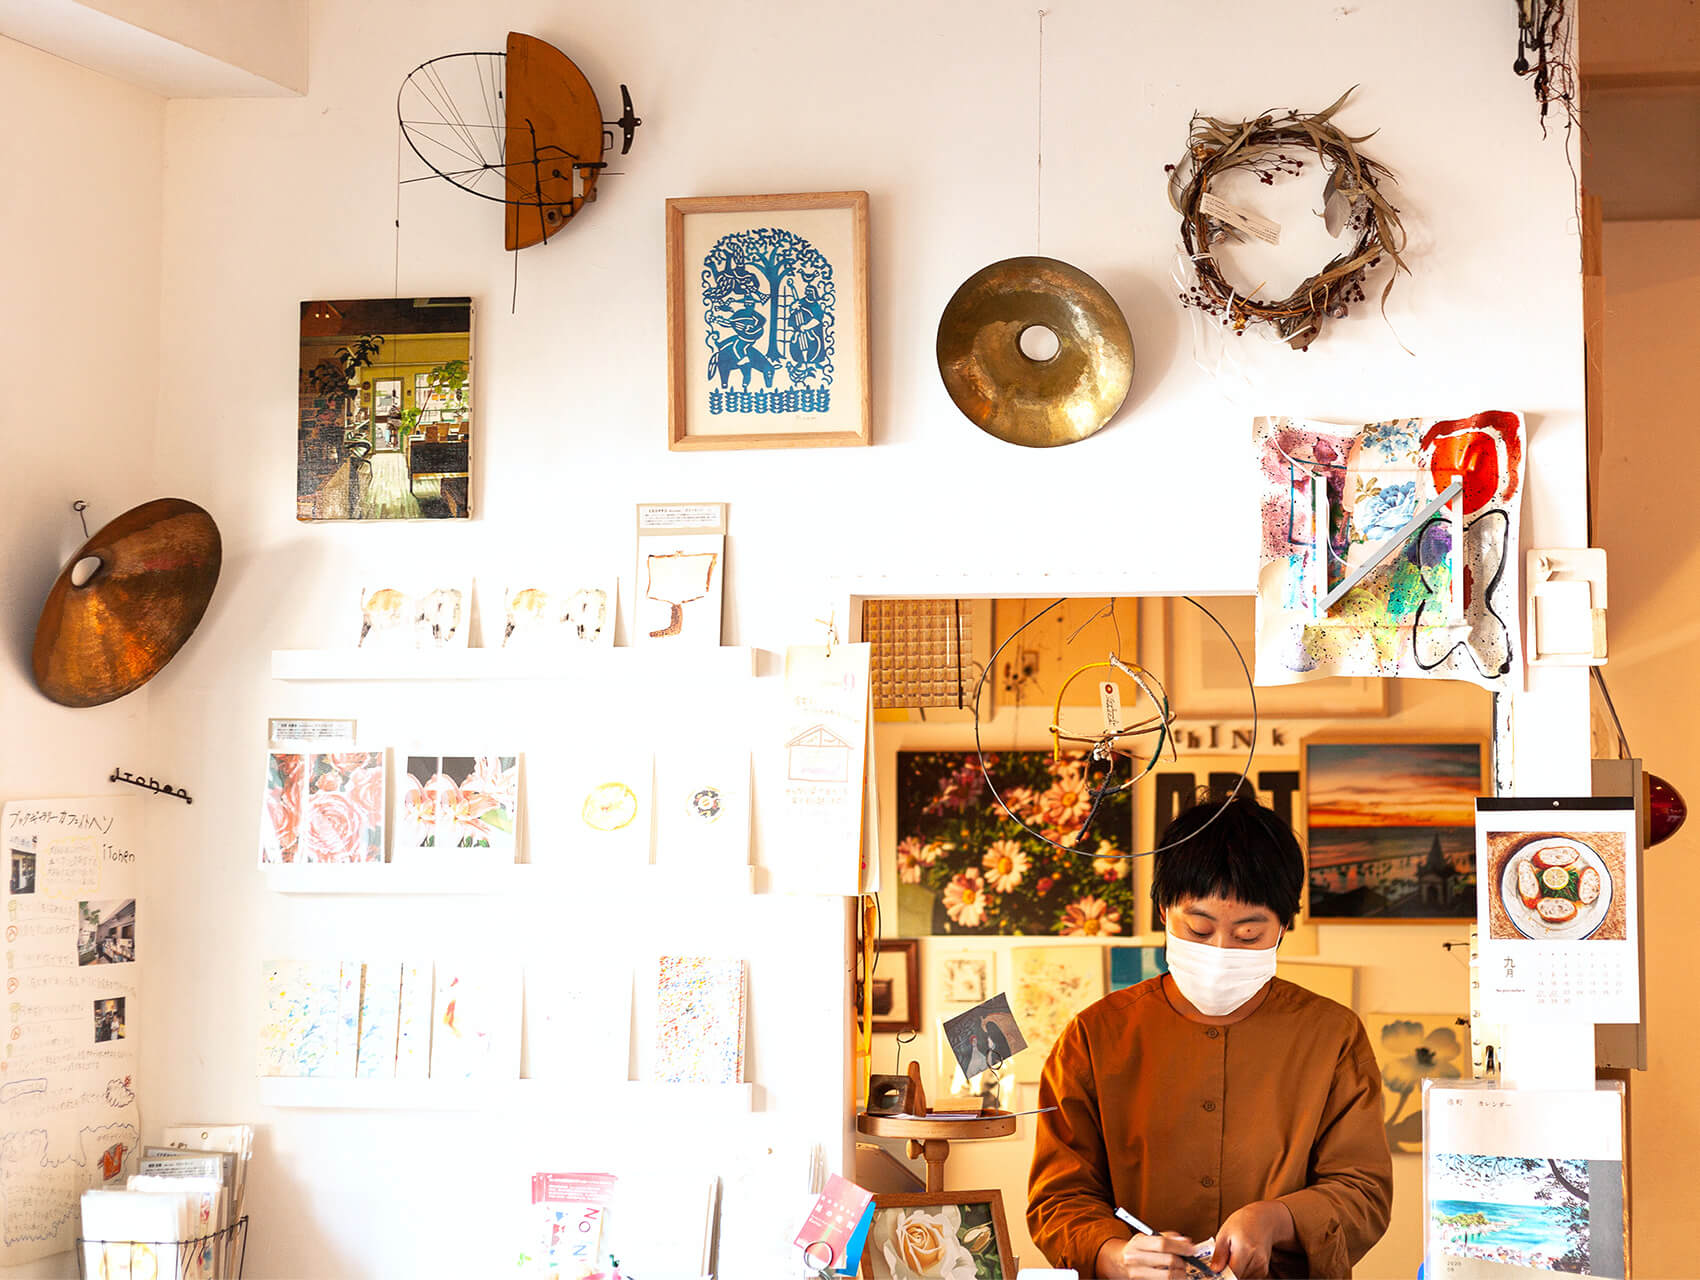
938	1236
767	321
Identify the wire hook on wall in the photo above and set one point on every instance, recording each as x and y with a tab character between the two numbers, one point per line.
79	506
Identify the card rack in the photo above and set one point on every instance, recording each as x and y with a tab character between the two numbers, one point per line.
218	1255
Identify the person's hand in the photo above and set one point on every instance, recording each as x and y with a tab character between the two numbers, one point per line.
1250	1235
1144	1258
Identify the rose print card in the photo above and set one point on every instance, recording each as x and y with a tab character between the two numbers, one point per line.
323	808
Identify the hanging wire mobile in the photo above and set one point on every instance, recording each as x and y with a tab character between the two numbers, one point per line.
1106	750
522	128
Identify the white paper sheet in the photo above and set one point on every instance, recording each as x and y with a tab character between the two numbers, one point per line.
69	1119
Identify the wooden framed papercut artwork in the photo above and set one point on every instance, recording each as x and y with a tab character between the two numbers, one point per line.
1390	826
767	321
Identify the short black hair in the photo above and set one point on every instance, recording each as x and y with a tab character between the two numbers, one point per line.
1234	848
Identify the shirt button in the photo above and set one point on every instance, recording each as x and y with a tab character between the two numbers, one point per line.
1210	1106
1207	1180
1213	1032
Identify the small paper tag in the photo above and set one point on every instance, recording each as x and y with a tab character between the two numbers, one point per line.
1110	698
318	733
1214	206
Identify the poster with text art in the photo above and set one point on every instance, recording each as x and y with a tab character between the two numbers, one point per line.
1523	1182
1371	566
770	319
71	970
964	868
1390	828
385	409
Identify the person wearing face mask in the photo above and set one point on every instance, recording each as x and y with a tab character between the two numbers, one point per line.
1215	1100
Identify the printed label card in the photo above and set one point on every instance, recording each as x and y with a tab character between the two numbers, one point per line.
558	616
702	804
568	1211
681	569
410	616
835	1219
1558	914
460	803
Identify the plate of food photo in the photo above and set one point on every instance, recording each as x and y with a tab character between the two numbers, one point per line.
1556	889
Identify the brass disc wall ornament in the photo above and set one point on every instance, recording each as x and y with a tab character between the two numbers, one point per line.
1269	147
1020	397
126	603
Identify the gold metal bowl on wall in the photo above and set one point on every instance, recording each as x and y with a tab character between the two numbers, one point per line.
107	634
1001	389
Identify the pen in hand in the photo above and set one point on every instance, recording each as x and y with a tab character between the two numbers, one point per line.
1192	1264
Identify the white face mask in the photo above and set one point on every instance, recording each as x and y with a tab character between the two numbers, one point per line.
1218	980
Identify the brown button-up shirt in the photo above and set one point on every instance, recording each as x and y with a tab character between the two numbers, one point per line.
1182	1124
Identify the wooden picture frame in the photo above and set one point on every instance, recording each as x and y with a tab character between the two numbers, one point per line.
1199	689
905	1012
794	323
1354	890
987	1204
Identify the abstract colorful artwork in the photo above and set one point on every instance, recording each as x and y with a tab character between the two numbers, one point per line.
323	808
964	868
1390	828
385	390
1390	550
1410	1048
1129	966
699	1021
459	802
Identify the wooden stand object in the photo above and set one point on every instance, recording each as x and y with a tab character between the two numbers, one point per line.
929	1140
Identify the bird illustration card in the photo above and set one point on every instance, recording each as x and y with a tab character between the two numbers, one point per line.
556	615
681	569
985	1036
415	615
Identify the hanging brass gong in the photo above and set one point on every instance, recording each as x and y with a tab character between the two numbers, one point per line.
1016	397
108	627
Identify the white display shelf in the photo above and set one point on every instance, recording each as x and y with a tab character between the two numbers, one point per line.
318	1093
727	661
483	880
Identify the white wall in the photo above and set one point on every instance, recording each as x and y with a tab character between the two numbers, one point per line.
931	109
79	325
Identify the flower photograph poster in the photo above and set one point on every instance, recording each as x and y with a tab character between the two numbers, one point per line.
963	867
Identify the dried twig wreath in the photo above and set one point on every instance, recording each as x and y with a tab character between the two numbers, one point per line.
1273	146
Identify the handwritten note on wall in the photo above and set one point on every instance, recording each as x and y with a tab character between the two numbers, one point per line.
69	1119
826	754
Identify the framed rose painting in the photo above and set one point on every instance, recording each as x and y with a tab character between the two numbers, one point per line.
944	1235
963	867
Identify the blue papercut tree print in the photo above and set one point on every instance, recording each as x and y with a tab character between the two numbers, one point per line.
768	300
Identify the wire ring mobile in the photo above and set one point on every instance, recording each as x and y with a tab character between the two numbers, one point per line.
1102	751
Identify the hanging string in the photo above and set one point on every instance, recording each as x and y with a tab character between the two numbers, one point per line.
1039	149
395	287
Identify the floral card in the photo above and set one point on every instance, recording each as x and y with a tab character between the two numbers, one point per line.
459	802
323	808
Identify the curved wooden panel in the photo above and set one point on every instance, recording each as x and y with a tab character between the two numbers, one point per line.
554	140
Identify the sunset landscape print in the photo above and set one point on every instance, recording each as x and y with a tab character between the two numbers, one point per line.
1391	829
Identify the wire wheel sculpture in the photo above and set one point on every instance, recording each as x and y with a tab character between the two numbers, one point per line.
522	128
